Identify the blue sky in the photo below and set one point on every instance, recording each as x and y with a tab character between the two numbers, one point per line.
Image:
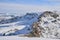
33	2
23	6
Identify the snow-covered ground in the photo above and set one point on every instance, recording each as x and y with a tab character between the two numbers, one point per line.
23	38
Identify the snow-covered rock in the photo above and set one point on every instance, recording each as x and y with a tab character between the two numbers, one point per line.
49	23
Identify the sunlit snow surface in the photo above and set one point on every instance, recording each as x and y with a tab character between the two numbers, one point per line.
17	24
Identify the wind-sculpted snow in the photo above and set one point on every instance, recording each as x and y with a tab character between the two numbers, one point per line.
18	25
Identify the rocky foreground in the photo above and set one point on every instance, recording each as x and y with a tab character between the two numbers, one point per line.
47	26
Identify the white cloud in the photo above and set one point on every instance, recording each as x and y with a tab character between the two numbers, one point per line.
22	9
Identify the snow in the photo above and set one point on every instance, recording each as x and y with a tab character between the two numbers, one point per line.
18	25
11	29
24	38
9	23
2	30
50	25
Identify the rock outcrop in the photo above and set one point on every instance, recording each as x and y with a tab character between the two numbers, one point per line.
47	26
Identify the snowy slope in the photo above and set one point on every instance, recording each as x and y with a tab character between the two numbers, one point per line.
18	25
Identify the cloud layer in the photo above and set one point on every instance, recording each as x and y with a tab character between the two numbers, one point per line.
22	9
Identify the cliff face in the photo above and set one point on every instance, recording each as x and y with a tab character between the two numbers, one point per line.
47	26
